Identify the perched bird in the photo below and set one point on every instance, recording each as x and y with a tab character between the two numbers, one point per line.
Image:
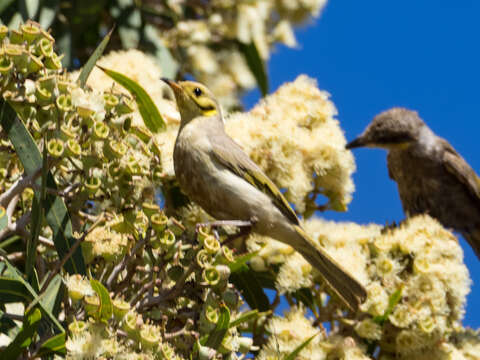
431	176
213	171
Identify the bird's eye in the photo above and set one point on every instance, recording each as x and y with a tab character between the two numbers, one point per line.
197	92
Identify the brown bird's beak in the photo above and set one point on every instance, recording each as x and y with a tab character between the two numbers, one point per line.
358	142
173	85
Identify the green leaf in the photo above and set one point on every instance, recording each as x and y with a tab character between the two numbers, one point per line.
12	290
150	114
294	353
163	56
256	65
251	290
246	316
216	336
51	293
305	296
3	218
48	11
54	345
29	8
25	337
37	217
392	302
14	274
56	212
106	307
5	4
88	67
240	261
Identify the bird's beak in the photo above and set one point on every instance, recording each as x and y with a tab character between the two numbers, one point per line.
173	85
358	142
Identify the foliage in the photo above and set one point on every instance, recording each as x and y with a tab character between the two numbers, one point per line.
101	256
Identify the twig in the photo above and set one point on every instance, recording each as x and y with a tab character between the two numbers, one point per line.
173	292
13	316
118	269
18	187
69	254
182	331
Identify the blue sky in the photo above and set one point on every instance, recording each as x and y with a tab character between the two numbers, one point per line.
372	55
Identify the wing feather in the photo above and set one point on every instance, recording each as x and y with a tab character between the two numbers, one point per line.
230	154
457	166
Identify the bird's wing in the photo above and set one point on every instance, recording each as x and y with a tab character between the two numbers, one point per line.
230	154
458	167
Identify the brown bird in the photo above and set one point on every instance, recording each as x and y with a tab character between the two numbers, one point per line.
431	176
214	172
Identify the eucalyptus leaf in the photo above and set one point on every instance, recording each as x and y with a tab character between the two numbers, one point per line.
150	114
25	337
240	261
54	345
5	4
294	353
256	65
48	11
106	306
216	336
88	67
56	212
251	290
12	290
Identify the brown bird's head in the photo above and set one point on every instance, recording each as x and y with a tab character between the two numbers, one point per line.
193	100
392	129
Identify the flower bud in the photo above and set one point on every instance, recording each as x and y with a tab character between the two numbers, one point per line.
211	244
53	62
244	344
114	149
120	308
150	337
6	65
100	131
73	148
150	208
55	147
77	327
211	276
110	100
92	184
30	31
3	32
204	258
44	48
91	304
64	103
126	106
131	324
205	353
159	222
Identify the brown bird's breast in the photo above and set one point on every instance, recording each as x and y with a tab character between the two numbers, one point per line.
425	186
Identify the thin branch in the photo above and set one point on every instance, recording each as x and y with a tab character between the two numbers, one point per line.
118	269
60	264
18	187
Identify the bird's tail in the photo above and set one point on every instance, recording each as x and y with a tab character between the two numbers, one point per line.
343	284
473	238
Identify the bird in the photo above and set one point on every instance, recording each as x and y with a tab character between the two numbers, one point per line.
215	172
431	176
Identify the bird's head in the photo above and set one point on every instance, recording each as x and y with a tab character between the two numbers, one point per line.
396	128
193	100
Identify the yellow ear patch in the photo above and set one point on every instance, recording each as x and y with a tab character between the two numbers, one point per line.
210	112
